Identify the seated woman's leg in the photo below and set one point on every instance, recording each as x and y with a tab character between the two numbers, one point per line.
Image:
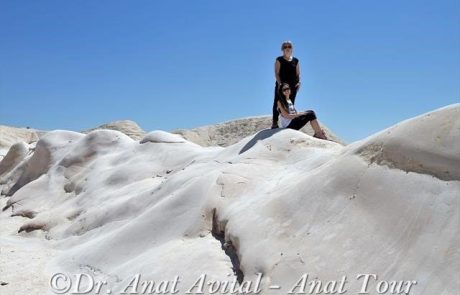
300	121
319	133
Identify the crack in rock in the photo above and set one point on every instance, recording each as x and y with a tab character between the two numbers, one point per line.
218	232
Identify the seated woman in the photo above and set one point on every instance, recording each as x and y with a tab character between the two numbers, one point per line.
290	118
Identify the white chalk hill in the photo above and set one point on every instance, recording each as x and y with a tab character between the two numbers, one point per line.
222	134
282	203
231	132
11	135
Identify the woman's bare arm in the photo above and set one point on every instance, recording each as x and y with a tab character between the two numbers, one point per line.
277	71
297	69
284	113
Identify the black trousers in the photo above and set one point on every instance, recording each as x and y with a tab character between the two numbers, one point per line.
300	121
276	97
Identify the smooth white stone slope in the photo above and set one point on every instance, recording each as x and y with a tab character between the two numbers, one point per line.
288	204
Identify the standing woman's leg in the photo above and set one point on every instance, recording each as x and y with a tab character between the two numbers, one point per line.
293	93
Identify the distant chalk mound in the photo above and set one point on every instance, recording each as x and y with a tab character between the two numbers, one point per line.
127	127
222	134
159	136
11	135
52	146
15	155
230	132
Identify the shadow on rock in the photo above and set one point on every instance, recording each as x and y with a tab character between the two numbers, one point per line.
261	135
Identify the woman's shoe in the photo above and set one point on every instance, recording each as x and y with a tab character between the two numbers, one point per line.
320	135
274	125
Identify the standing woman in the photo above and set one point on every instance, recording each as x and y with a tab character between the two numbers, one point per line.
287	70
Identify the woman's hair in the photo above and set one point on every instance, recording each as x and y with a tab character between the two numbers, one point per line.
287	42
281	96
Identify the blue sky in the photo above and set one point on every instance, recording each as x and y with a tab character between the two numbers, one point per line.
366	65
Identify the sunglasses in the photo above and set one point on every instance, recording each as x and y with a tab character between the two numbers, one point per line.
287	46
285	89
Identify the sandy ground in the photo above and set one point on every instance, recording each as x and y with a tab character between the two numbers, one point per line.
23	258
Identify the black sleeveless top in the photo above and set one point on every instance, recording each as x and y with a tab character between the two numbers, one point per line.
288	70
